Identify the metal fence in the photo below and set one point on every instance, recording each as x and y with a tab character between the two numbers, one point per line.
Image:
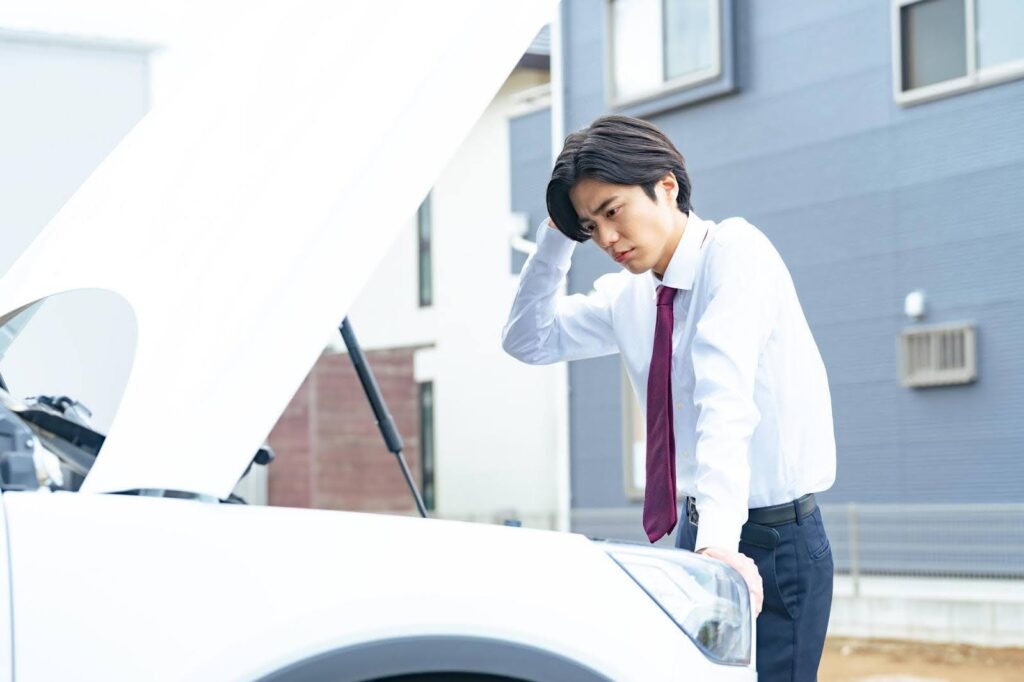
936	540
928	540
940	540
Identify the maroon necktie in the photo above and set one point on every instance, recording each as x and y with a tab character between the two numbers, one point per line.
660	512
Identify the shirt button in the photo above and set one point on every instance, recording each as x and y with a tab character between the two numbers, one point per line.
679	406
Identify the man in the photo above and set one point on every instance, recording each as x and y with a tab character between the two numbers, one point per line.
717	348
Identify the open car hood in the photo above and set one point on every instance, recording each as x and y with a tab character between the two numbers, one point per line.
241	221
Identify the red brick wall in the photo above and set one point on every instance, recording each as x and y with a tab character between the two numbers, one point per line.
330	453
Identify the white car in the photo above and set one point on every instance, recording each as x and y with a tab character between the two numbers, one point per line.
213	224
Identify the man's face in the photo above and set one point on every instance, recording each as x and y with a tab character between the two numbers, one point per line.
633	230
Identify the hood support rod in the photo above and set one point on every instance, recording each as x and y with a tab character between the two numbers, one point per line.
386	423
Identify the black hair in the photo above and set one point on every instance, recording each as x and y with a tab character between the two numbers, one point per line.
619	150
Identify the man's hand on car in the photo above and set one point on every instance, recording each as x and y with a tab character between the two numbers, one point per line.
746	567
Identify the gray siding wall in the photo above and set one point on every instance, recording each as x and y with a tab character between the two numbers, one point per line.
866	201
530	163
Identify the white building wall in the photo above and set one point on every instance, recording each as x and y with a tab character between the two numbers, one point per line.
181	33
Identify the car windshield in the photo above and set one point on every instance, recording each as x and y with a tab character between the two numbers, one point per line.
79	344
63	447
64	363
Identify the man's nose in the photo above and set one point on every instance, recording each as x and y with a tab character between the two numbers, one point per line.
605	236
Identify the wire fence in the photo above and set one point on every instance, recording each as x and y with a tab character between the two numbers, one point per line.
933	540
947	540
926	540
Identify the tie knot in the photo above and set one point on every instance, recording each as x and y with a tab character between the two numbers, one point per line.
666	295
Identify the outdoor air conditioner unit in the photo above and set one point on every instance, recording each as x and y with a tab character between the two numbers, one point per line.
938	355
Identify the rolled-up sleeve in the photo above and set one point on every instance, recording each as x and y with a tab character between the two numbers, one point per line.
546	326
739	307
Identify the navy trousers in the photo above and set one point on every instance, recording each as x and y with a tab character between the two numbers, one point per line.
797	574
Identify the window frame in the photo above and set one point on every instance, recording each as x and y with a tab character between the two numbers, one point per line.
425	248
974	79
427	446
639	104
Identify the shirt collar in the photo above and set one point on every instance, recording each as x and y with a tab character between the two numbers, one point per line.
682	268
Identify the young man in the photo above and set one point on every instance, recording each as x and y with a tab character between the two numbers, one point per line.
714	340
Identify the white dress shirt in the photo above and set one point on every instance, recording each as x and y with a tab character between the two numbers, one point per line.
752	412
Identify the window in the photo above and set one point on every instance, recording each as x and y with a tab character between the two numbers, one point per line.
941	47
74	352
56	347
426	263
658	46
427	443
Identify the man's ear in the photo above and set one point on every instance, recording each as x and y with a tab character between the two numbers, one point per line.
671	187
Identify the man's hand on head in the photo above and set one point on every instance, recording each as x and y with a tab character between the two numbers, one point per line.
746	567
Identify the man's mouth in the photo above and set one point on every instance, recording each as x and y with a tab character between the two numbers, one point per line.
622	256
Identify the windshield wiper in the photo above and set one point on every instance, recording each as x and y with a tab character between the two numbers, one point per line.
75	444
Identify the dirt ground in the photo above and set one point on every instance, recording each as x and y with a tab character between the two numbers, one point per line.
859	660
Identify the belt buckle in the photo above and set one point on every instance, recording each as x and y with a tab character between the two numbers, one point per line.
691	511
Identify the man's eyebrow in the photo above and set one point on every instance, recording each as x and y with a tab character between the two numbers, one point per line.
604	204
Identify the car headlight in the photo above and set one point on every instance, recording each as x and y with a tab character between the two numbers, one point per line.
707	599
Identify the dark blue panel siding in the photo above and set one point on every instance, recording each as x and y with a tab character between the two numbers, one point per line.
595	406
866	201
595	431
589	263
584	45
530	157
843	41
530	162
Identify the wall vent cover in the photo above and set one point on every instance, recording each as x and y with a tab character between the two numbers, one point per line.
938	355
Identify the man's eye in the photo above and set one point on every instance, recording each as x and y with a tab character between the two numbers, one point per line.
613	211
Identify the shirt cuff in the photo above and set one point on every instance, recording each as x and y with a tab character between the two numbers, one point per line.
717	527
553	247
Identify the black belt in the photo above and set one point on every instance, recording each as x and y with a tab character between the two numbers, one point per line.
775	515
